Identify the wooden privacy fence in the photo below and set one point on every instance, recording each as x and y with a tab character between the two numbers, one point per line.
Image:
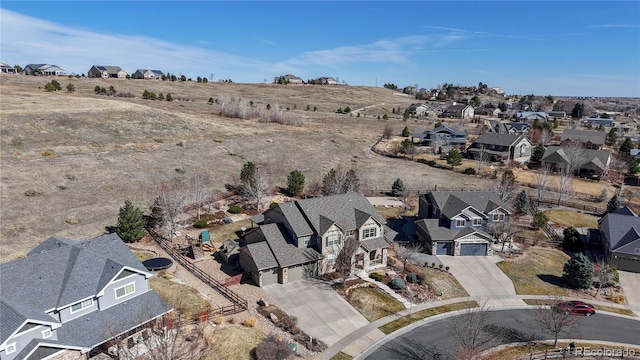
238	304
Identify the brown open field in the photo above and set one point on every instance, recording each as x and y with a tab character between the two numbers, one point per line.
81	155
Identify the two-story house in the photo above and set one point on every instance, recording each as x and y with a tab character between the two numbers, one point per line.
107	72
460	111
303	238
455	222
501	147
68	297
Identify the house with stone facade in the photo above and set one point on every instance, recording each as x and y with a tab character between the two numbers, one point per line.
455	222
67	298
303	238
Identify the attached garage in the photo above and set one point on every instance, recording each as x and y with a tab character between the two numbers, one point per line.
269	277
626	263
473	249
443	248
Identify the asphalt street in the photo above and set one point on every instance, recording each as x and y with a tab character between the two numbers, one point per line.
434	338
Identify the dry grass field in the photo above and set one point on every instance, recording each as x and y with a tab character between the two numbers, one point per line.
70	160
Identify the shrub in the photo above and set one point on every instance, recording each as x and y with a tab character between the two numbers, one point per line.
440	266
235	209
249	322
218	320
271	348
397	284
200	224
446	268
272	205
288	322
433	264
422	278
391	262
540	220
572	241
376	276
469	171
412	278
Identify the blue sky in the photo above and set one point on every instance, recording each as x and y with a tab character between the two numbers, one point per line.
541	47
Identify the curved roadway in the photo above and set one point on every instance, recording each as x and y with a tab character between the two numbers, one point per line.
433	339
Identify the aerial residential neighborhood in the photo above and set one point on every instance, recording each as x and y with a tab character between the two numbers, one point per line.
322	181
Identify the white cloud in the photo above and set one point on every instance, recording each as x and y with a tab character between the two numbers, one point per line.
609	26
29	40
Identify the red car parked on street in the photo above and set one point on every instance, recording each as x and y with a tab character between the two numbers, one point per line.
575	307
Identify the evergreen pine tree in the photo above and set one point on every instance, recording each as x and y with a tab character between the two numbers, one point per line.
524	203
397	188
578	272
614	204
295	182
131	223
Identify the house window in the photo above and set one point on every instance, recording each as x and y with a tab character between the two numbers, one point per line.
349	233
460	222
11	348
46	333
125	290
477	222
369	233
333	239
81	305
498	217
331	259
637	251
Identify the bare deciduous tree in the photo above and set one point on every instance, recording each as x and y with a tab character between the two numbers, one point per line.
505	187
467	330
503	232
344	261
554	322
255	186
565	182
387	132
541	178
170	200
482	158
604	274
173	339
405	252
339	181
200	182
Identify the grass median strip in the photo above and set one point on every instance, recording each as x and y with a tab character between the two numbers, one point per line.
394	325
549	302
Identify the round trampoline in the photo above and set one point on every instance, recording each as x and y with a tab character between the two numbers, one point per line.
158	263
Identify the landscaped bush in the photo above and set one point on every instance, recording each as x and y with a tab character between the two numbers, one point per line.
235	209
469	171
271	348
391	262
376	276
572	241
397	284
200	224
412	278
249	321
427	162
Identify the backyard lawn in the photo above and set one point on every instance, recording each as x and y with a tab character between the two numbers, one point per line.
572	218
221	233
182	298
373	304
539	272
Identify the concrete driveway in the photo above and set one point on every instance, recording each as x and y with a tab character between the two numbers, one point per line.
630	283
321	312
481	277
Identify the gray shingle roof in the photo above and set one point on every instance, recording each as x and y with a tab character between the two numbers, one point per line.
345	209
435	231
262	255
60	272
593	136
620	229
452	203
113	321
498	139
447	130
294	216
374	244
596	159
285	253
